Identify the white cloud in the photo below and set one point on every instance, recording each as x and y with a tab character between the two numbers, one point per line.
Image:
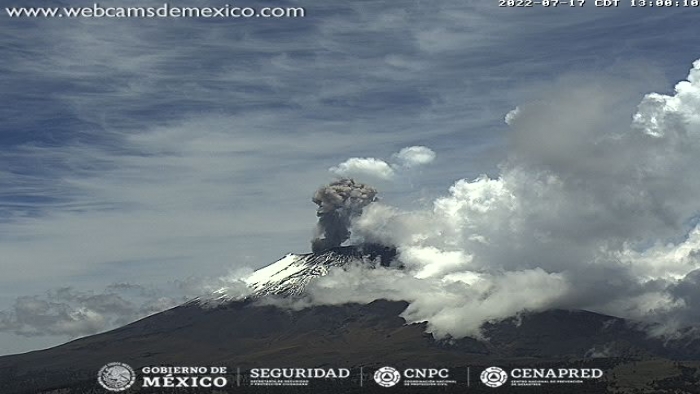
372	168
414	156
361	167
584	214
68	313
71	313
512	115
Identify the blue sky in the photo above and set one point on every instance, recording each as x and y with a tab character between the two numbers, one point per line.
161	152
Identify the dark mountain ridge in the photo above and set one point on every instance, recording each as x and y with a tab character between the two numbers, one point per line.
245	334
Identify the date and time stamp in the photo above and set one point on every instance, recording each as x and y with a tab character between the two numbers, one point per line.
600	3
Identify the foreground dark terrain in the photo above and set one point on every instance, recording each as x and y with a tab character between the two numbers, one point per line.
244	335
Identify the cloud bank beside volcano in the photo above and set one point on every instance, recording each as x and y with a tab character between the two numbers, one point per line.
590	210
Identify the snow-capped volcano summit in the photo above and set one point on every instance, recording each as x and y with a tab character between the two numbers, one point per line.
290	275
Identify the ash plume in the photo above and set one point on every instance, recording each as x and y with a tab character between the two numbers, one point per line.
338	203
589	210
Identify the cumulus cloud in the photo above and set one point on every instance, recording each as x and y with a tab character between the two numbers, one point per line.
511	115
406	158
369	166
586	213
414	156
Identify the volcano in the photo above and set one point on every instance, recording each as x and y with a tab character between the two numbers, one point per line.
288	276
246	333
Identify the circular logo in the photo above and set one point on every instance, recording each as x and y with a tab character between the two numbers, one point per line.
387	376
494	377
116	376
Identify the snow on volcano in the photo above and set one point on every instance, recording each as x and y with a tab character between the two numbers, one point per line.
289	276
